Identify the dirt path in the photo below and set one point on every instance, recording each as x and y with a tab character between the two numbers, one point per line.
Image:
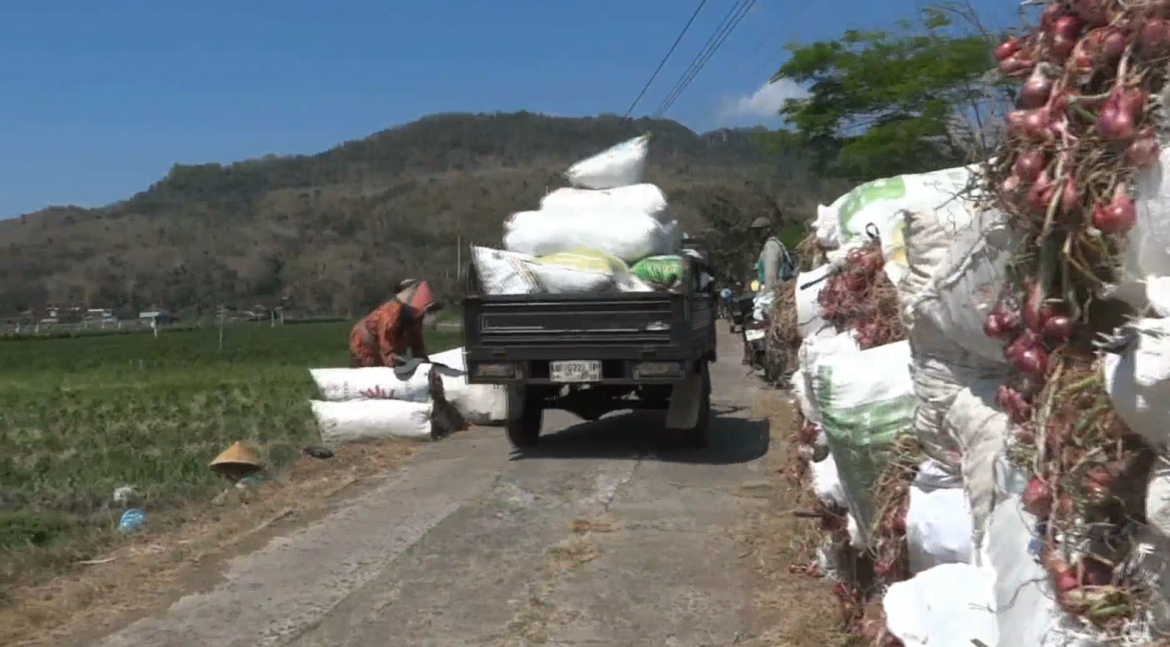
597	539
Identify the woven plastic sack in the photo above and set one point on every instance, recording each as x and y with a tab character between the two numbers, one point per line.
645	198
620	165
625	233
664	272
866	401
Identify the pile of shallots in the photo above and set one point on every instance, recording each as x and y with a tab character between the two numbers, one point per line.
859	296
1084	126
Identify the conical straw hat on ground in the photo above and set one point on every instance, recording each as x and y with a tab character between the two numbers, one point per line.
237	455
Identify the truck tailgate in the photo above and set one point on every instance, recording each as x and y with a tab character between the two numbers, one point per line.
564	327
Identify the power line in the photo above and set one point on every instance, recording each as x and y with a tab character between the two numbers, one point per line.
791	17
670	51
747	6
706	46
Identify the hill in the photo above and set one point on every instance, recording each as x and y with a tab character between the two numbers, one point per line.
329	233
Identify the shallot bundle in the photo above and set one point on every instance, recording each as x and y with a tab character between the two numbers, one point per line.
1085	124
860	297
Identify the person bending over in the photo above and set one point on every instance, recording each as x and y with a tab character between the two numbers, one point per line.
392	334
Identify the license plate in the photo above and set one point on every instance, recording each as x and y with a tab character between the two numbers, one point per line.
753	335
579	371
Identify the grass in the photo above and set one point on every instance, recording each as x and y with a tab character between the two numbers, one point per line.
82	416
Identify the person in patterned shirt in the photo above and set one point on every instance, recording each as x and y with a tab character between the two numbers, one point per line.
392	334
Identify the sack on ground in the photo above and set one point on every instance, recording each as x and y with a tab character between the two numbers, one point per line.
372	419
481	404
936	385
620	165
966	286
626	234
813	350
643	198
866	401
938	521
826	483
945	606
981	429
663	272
1025	604
375	383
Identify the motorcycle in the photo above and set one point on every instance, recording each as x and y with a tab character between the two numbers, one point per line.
741	310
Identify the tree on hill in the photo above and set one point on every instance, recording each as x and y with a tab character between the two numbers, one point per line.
885	103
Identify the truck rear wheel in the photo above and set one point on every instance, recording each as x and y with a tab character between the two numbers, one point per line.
523	427
699	436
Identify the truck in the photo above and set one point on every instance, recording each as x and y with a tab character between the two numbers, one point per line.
594	353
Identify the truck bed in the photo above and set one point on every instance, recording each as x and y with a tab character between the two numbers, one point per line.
620	330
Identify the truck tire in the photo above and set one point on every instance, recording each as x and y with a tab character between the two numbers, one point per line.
699	436
524	430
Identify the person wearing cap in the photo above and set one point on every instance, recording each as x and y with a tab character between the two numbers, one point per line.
392	334
775	264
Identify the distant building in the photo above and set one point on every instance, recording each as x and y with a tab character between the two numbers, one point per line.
157	316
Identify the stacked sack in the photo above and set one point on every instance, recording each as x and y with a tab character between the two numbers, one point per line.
1040	342
608	232
431	402
876	382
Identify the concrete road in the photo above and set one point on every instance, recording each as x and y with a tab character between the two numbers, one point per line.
598	538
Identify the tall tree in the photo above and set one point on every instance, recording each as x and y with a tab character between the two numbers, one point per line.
884	103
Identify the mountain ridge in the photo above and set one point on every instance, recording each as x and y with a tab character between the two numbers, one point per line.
327	233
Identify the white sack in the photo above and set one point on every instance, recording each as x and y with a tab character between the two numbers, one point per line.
879	206
575	272
479	404
981	429
938	520
1138	381
624	233
966	286
801	392
929	235
866	401
826	483
504	272
1025	603
812	350
946	606
368	419
620	165
1147	252
808	311
936	385
643	198
579	271
373	383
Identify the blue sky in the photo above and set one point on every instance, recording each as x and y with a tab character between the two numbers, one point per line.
101	97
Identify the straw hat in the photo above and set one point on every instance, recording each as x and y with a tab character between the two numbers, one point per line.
418	296
236	459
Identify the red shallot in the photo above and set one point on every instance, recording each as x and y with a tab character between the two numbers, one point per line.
1037	497
1058	328
1117	217
1143	151
1028	165
1154	36
1007	48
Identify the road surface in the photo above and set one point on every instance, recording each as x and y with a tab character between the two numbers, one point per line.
599	538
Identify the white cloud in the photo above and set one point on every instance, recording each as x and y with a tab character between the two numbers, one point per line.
762	104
